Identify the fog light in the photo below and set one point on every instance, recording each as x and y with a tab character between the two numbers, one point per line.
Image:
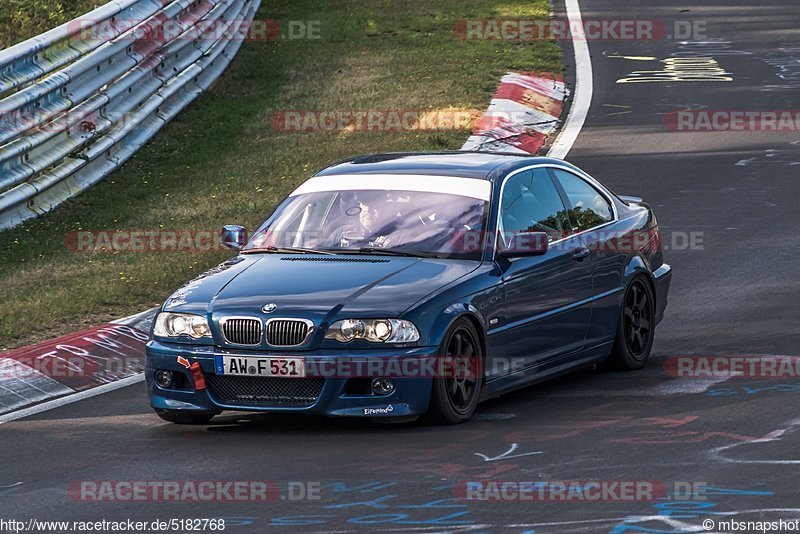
382	386
164	378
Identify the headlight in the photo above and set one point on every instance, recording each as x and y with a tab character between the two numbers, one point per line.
177	324
375	330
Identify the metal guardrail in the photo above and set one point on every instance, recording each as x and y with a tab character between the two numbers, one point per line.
76	102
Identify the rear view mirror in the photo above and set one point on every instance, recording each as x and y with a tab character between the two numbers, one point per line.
526	244
234	236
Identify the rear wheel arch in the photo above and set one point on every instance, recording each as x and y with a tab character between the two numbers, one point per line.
652	284
623	356
637	268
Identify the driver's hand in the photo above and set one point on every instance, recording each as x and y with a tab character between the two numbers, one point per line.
349	238
379	242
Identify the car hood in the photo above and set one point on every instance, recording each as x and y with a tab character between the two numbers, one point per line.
317	286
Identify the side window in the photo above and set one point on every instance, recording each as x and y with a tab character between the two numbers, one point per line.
588	208
531	203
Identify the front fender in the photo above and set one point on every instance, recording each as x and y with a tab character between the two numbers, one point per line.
478	297
433	325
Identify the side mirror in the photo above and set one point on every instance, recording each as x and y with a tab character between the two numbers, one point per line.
526	244
234	236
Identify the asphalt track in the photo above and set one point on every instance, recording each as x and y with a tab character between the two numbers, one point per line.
736	293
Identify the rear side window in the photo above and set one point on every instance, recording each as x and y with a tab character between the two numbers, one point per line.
588	207
531	203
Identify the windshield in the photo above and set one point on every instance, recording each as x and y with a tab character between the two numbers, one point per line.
420	223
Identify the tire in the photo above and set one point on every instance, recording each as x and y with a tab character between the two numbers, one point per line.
184	417
636	328
455	395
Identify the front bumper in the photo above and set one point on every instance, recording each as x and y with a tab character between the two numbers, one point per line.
335	398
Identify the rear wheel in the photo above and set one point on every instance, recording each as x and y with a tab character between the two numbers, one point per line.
456	392
636	329
184	417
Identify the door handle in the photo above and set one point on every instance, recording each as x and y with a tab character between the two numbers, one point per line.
579	254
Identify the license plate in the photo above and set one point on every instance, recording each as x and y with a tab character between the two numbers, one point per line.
261	366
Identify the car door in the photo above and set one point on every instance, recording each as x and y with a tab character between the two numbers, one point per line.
545	315
591	213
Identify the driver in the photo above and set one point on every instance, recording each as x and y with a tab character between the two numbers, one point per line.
365	225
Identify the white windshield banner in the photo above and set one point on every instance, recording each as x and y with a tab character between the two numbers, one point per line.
453	185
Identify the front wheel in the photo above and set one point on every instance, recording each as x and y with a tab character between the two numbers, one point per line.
636	329
458	387
185	417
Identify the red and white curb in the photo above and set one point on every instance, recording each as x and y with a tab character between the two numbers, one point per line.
523	113
75	366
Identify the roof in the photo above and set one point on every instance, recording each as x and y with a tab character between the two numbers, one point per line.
478	165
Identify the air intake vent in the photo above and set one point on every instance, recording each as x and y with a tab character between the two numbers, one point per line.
242	331
265	391
287	332
338	260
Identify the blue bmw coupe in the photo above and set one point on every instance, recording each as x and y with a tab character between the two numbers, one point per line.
397	285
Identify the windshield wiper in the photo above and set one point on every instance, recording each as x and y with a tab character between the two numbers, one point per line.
392	252
287	250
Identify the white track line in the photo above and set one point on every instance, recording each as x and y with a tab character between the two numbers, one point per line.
578	111
69	399
582	97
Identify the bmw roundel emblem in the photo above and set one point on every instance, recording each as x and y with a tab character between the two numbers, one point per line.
269	308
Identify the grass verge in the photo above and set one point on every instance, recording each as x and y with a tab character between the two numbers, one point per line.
21	19
222	161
